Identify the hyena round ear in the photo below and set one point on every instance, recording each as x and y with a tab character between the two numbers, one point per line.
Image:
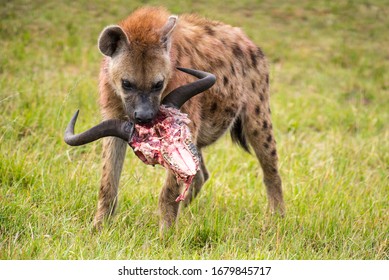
111	39
166	31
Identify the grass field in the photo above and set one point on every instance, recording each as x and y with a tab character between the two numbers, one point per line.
330	103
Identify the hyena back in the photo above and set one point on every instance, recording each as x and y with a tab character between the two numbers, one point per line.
139	69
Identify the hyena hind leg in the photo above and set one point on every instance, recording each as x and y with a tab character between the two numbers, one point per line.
259	132
114	151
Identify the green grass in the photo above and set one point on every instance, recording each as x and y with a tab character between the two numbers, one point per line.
330	103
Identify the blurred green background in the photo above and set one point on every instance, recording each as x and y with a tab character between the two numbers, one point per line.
330	102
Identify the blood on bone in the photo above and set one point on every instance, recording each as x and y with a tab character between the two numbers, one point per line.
167	141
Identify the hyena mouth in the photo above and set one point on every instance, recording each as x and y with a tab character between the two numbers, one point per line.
166	140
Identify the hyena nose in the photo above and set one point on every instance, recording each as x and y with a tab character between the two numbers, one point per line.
142	116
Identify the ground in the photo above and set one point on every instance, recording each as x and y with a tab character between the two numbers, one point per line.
330	108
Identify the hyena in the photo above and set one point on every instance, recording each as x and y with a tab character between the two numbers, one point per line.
139	69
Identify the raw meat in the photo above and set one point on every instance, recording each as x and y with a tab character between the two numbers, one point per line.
167	141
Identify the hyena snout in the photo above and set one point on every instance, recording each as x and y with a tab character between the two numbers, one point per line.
144	116
145	112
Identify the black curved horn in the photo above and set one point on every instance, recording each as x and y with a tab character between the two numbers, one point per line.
119	128
125	129
180	95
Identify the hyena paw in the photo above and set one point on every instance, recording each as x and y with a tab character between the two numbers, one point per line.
277	207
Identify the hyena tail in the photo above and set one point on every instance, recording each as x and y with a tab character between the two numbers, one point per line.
237	134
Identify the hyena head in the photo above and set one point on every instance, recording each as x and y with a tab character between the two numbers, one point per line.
139	65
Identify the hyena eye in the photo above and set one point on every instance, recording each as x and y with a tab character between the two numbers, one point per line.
127	85
158	86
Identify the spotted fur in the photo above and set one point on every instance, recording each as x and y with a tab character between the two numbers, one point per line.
146	47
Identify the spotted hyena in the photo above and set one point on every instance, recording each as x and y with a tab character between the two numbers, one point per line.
141	54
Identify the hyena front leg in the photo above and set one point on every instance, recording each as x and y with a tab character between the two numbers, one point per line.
259	132
168	207
198	182
114	151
